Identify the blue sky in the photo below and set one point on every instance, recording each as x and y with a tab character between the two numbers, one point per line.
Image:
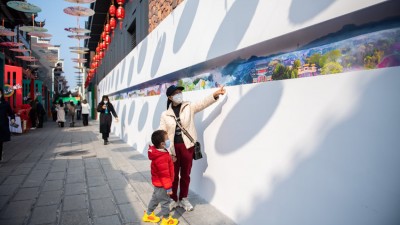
56	21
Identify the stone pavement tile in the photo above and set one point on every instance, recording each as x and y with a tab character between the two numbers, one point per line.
118	184
26	194
17	209
42	166
103	207
96	181
94	172
56	176
46	214
35	179
21	171
3	176
53	185
75	178
113	174
95	165
27	165
15	179
75	163
49	198
4	200
58	169
107	220
125	196
75	202
8	189
132	212
105	161
75	218
13	221
100	192
75	189
75	170
110	167
142	187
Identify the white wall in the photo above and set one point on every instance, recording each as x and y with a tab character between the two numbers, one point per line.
321	150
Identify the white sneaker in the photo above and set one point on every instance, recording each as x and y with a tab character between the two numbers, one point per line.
184	203
173	204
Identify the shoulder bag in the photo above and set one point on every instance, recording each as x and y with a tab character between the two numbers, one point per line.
197	147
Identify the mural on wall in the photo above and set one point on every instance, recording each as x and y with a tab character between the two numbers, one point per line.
370	50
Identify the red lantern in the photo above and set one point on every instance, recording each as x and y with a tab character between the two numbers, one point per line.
103	35
102	47
120	15
107	39
101	55
112	10
107	28
98	49
120	2
105	45
113	23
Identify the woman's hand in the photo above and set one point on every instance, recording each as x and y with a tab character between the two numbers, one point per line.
220	91
104	106
116	119
12	121
174	158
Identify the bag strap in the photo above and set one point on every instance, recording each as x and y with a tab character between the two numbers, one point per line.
184	130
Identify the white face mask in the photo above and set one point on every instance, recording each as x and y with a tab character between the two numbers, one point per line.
105	102
177	98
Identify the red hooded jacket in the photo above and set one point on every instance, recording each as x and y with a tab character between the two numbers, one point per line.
162	167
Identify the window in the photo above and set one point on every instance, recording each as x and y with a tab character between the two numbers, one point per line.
132	32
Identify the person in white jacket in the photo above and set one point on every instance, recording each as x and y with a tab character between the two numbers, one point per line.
182	148
85	112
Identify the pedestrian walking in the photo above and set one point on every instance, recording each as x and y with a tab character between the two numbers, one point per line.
85	112
105	108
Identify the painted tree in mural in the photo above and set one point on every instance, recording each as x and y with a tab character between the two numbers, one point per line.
372	60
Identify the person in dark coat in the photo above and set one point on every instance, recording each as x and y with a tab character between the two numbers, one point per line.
105	108
40	113
33	114
5	112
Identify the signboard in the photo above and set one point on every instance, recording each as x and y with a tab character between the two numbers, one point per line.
8	90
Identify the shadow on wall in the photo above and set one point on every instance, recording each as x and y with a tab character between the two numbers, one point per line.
352	177
142	56
185	23
303	10
160	108
232	24
255	109
158	55
130	72
143	116
131	112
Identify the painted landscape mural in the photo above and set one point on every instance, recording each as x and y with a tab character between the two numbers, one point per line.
373	50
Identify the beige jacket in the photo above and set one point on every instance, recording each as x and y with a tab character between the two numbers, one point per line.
188	109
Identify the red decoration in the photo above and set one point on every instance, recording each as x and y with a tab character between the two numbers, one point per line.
101	55
105	45
120	15
120	2
98	49
107	28
112	10
107	39
103	35
113	23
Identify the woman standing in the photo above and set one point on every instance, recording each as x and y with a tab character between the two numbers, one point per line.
105	108
60	113
179	111
71	112
85	112
78	110
5	112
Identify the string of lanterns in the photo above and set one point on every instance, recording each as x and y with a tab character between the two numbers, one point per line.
114	13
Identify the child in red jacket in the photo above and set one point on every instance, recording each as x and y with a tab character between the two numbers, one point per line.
162	176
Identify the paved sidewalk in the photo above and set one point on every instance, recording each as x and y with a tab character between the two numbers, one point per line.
67	176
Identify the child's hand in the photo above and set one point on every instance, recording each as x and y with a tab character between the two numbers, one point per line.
169	193
174	158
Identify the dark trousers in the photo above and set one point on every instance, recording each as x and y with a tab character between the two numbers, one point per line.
61	124
1	150
33	121
85	118
105	136
182	168
54	114
40	118
78	114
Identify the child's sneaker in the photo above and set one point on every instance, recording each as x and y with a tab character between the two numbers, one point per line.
172	205
150	218
184	203
169	221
